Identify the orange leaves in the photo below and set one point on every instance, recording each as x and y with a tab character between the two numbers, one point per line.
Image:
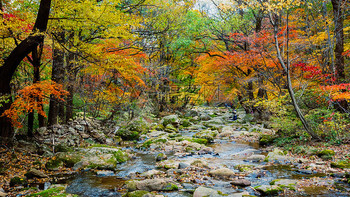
339	91
32	98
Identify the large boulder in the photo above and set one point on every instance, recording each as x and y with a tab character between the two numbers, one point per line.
269	190
223	173
191	113
206	192
279	157
95	157
241	182
152	173
35	173
171	119
204	117
170	129
207	134
152	185
133	130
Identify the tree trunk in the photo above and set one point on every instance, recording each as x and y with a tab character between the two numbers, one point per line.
339	37
36	55
11	63
339	63
250	87
72	75
57	76
286	67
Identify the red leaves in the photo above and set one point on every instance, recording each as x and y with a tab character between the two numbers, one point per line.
32	98
314	72
19	23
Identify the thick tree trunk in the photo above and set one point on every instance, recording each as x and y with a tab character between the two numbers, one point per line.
11	63
72	72
56	76
339	37
339	48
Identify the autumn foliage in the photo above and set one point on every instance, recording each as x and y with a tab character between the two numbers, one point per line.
32	98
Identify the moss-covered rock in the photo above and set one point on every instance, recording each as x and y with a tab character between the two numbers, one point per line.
149	142
326	154
170	129
18	181
93	157
171	187
185	123
285	183
151	185
157	127
199	140
56	191
161	156
244	168
265	140
269	190
207	134
138	193
171	119
341	164
63	148
69	159
54	164
133	130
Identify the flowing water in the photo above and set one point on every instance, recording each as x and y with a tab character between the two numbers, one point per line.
227	154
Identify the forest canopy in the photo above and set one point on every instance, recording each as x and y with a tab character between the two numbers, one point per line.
281	60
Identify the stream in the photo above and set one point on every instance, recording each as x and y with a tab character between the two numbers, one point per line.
226	153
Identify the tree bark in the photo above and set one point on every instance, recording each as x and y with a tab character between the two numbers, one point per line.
339	37
72	75
57	76
11	63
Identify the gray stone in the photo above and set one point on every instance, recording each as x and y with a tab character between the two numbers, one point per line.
279	157
171	119
161	156
79	127
222	173
183	165
205	192
255	158
269	189
35	173
105	173
241	182
151	173
204	117
71	130
207	134
284	182
151	185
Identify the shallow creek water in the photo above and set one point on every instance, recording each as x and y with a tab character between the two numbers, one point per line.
227	154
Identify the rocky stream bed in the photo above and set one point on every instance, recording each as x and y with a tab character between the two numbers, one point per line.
200	154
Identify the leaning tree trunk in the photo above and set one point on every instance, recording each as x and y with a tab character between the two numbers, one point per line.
11	63
286	67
